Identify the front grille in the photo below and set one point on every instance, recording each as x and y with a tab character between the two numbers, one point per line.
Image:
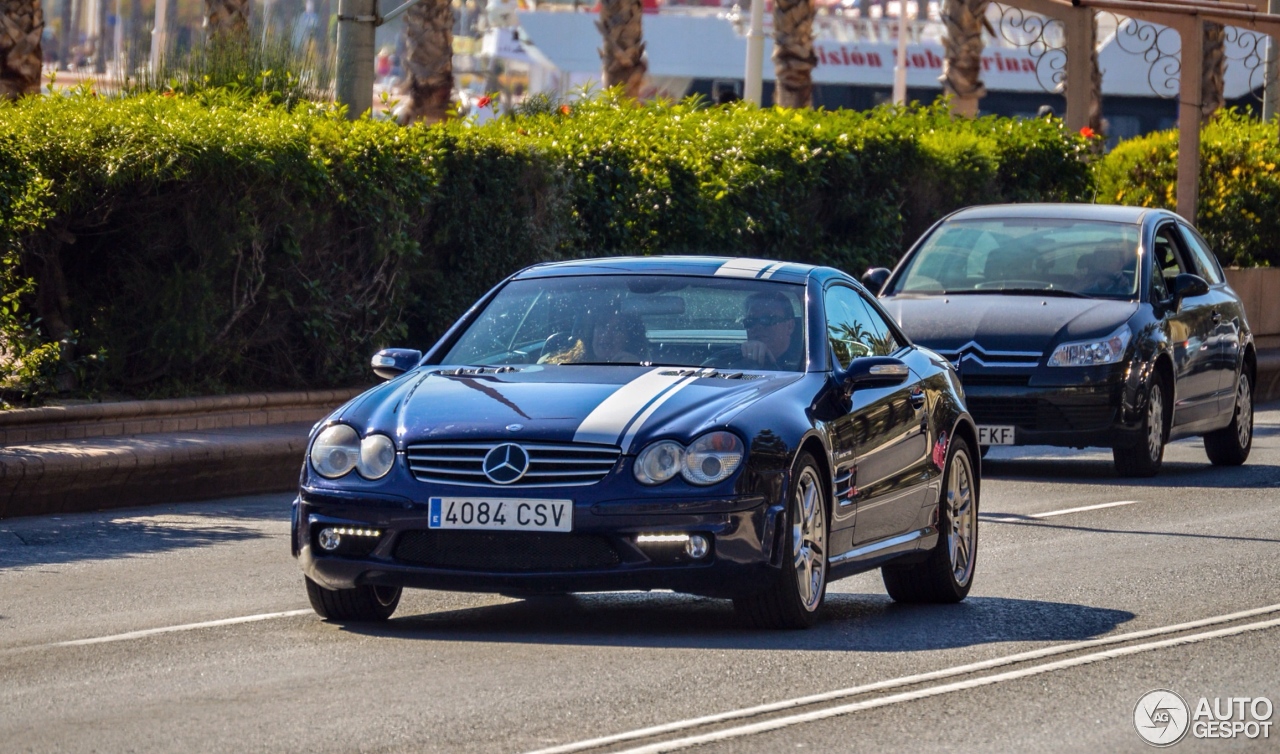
549	465
506	551
995	380
1037	414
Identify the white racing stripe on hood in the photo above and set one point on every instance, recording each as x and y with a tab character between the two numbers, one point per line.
644	417
626	407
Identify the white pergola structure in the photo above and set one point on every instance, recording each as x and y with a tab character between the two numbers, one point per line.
1187	18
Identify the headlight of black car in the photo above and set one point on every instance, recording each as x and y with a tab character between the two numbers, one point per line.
338	449
711	458
1088	353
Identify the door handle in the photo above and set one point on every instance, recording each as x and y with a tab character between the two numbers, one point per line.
917	398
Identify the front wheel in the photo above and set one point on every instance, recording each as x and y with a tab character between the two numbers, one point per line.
1144	458
1230	445
363	604
793	599
947	574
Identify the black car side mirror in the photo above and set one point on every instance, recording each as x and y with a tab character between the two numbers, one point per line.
875	278
1186	285
872	372
390	362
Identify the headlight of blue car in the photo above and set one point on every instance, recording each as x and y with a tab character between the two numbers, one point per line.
1088	353
338	449
711	458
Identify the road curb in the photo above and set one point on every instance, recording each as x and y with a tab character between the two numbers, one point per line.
112	455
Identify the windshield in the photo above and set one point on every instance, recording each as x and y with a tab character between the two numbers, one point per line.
664	320
1026	255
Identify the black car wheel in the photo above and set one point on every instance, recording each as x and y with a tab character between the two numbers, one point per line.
947	574
1230	445
794	598
363	604
1144	458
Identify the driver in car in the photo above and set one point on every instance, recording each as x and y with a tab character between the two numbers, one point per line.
770	324
1108	272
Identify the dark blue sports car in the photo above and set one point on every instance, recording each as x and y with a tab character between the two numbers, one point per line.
733	428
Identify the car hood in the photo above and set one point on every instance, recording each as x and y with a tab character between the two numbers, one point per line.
1004	322
610	405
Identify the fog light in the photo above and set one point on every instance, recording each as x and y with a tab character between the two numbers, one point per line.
697	546
329	539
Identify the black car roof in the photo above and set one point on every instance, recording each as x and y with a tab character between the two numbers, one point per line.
702	266
1104	212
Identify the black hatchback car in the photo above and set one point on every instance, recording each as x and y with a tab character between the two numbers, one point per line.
1082	325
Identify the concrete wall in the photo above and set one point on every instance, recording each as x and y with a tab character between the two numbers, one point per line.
1260	289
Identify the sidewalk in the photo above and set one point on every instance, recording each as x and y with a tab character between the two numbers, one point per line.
113	455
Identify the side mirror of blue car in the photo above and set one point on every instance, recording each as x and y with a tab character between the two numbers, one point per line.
390	362
1186	285
872	372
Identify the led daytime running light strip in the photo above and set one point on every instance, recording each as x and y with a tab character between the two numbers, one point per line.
662	538
357	532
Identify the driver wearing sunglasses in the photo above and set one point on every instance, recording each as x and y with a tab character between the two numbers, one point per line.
770	324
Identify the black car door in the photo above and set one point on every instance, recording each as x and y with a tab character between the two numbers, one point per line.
1227	316
885	426
1190	329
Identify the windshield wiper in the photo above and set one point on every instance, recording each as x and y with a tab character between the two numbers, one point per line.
1059	292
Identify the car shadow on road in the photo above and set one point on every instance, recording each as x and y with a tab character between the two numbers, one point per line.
1099	472
851	622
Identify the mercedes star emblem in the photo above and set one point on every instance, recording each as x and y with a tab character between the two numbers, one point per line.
506	463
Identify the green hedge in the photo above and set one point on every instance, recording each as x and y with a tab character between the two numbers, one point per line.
207	243
1239	185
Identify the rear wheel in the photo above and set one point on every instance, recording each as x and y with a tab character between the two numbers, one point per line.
947	574
793	599
1230	445
363	604
1144	459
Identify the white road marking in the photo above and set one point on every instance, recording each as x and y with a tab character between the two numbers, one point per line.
909	696
1064	511
910	680
174	629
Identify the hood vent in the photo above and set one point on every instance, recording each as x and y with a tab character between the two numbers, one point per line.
474	371
710	374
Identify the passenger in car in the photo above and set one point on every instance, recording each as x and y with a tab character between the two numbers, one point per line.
772	340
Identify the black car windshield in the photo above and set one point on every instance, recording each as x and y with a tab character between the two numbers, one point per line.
1025	256
667	320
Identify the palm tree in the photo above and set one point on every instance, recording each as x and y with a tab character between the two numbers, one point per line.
793	55
622	56
20	50
964	20
428	84
226	18
1213	71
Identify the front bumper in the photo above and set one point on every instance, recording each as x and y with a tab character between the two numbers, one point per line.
600	554
1046	408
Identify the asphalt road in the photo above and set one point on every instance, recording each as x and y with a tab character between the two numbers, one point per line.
83	667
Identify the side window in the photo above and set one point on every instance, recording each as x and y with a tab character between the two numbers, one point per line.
1206	265
853	328
1167	261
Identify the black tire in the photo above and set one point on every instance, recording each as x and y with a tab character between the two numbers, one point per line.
1144	458
364	604
1230	446
946	575
784	603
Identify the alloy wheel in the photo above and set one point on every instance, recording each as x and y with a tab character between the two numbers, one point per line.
963	516
809	540
1244	412
1155	423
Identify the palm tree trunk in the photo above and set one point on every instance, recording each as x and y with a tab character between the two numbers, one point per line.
1215	68
622	56
428	84
961	71
20	51
226	18
793	55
